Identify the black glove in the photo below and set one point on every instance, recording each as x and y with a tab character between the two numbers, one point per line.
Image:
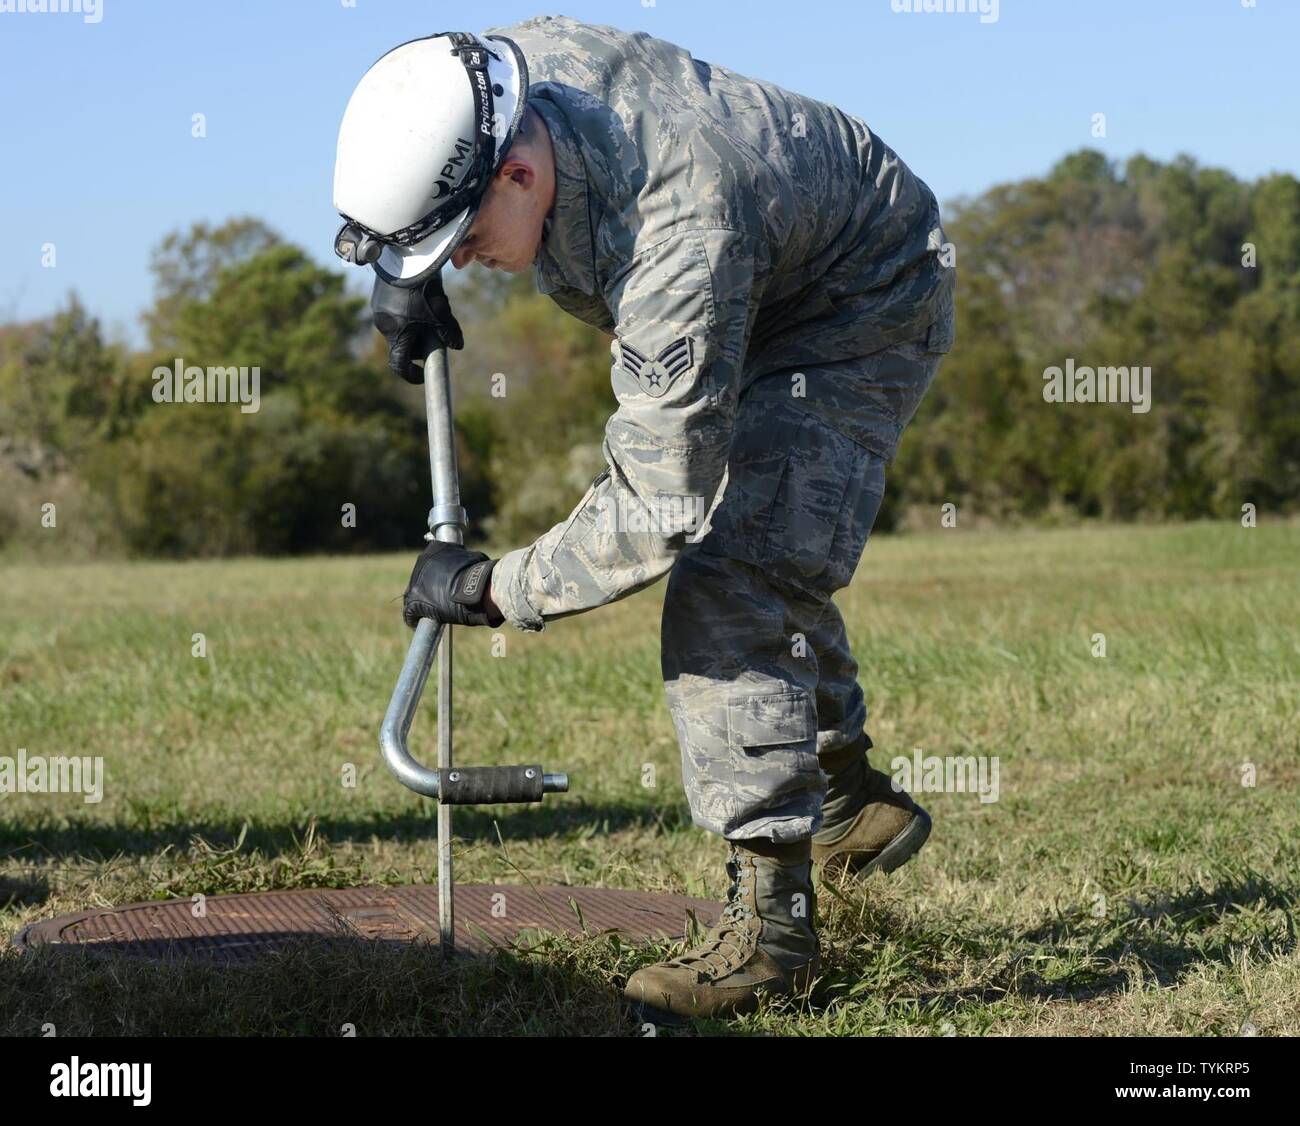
448	584
414	321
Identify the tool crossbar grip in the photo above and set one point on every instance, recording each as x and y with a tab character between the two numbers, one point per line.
490	785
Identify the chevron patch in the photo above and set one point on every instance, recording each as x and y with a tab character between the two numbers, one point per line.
655	375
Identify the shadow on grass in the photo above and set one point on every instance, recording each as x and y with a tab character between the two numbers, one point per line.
1072	956
1166	934
314	988
22	891
96	842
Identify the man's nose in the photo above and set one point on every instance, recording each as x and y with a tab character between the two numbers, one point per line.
460	258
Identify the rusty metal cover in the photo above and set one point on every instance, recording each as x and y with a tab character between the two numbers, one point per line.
237	928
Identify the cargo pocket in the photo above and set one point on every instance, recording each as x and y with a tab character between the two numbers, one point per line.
773	745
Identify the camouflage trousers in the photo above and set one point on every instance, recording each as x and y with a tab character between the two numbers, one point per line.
756	661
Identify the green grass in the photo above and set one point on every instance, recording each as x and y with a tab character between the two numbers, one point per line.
1127	882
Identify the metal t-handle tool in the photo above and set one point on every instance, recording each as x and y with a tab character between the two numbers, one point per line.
474	785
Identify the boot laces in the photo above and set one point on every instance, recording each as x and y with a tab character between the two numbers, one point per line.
731	940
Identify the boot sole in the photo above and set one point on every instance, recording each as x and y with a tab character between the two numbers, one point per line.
643	1012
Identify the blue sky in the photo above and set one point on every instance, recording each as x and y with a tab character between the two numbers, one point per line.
98	158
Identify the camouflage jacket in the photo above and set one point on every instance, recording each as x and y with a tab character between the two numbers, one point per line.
722	229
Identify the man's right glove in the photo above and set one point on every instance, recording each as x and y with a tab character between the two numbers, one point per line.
414	321
449	584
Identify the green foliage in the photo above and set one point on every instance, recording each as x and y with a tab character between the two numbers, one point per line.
187	266
1141	268
63	394
330	431
61	385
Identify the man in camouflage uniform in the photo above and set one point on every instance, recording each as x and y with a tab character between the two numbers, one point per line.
775	282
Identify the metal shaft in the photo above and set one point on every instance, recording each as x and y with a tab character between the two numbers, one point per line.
446	522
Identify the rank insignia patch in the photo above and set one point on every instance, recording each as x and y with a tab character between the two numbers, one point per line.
654	376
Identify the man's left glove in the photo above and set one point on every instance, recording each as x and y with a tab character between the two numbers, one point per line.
414	321
449	584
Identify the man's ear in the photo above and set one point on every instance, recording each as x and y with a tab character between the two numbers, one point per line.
519	171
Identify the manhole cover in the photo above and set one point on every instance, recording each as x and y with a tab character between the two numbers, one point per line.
237	928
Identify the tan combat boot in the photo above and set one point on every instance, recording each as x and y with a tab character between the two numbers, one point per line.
763	943
866	823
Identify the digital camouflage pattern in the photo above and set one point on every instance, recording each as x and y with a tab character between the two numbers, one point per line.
769	230
773	278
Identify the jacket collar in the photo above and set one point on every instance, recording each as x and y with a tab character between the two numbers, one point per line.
565	257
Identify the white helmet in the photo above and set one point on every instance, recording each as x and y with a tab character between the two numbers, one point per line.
424	132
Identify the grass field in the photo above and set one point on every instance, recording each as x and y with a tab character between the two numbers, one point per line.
1126	882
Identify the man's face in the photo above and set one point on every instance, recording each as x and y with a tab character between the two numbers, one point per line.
507	230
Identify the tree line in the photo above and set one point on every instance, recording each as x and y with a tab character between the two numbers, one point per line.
1181	271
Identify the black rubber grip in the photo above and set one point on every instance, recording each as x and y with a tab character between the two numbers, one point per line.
489	785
